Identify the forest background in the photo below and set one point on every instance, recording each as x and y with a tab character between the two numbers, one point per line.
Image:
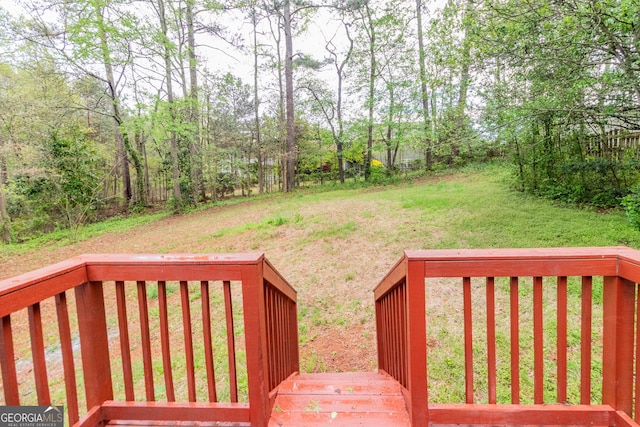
111	106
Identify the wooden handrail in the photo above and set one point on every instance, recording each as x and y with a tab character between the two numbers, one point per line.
400	297
103	335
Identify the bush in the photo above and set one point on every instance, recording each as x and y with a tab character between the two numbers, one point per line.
631	204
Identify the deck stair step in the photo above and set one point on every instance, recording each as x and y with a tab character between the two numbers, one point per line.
339	399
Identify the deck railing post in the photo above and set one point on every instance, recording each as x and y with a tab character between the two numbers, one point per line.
94	343
256	343
416	342
617	335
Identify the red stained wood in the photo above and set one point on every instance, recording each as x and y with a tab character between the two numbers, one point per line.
92	418
636	410
276	280
597	261
562	339
585	341
169	267
468	339
165	343
178	411
37	354
491	339
231	342
67	358
125	346
341	386
25	290
208	347
8	363
345	399
522	415
270	333
538	344
145	338
94	343
624	420
515	340
617	335
188	340
416	343
293	334
253	301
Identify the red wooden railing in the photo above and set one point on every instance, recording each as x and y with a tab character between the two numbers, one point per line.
402	332
137	341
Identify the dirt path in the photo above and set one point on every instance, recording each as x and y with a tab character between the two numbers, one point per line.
332	248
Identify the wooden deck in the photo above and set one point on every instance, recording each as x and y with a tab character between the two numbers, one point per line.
90	303
340	399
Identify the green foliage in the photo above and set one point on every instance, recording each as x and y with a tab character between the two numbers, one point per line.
631	203
63	192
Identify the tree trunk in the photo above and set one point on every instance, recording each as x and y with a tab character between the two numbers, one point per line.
290	153
465	79
340	72
5	220
372	82
195	147
389	129
113	95
177	194
256	101
423	88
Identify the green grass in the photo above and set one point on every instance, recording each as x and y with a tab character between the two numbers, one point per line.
480	211
473	208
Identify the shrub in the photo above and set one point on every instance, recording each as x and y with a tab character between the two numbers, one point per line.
631	203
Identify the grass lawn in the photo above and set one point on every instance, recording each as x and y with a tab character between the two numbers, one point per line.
334	245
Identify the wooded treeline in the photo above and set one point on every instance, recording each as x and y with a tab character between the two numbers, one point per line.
111	105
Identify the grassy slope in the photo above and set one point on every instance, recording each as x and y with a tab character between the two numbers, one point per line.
334	246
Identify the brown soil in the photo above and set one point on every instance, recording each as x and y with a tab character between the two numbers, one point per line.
332	249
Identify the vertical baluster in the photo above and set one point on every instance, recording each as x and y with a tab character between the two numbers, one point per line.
8	363
67	357
280	336
293	333
277	337
125	347
403	302
164	341
491	339
562	339
208	345
143	308
380	334
585	340
281	344
233	379
468	339
285	338
515	340
387	334
271	331
37	354
188	340
538	354
381	330
636	411
393	331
